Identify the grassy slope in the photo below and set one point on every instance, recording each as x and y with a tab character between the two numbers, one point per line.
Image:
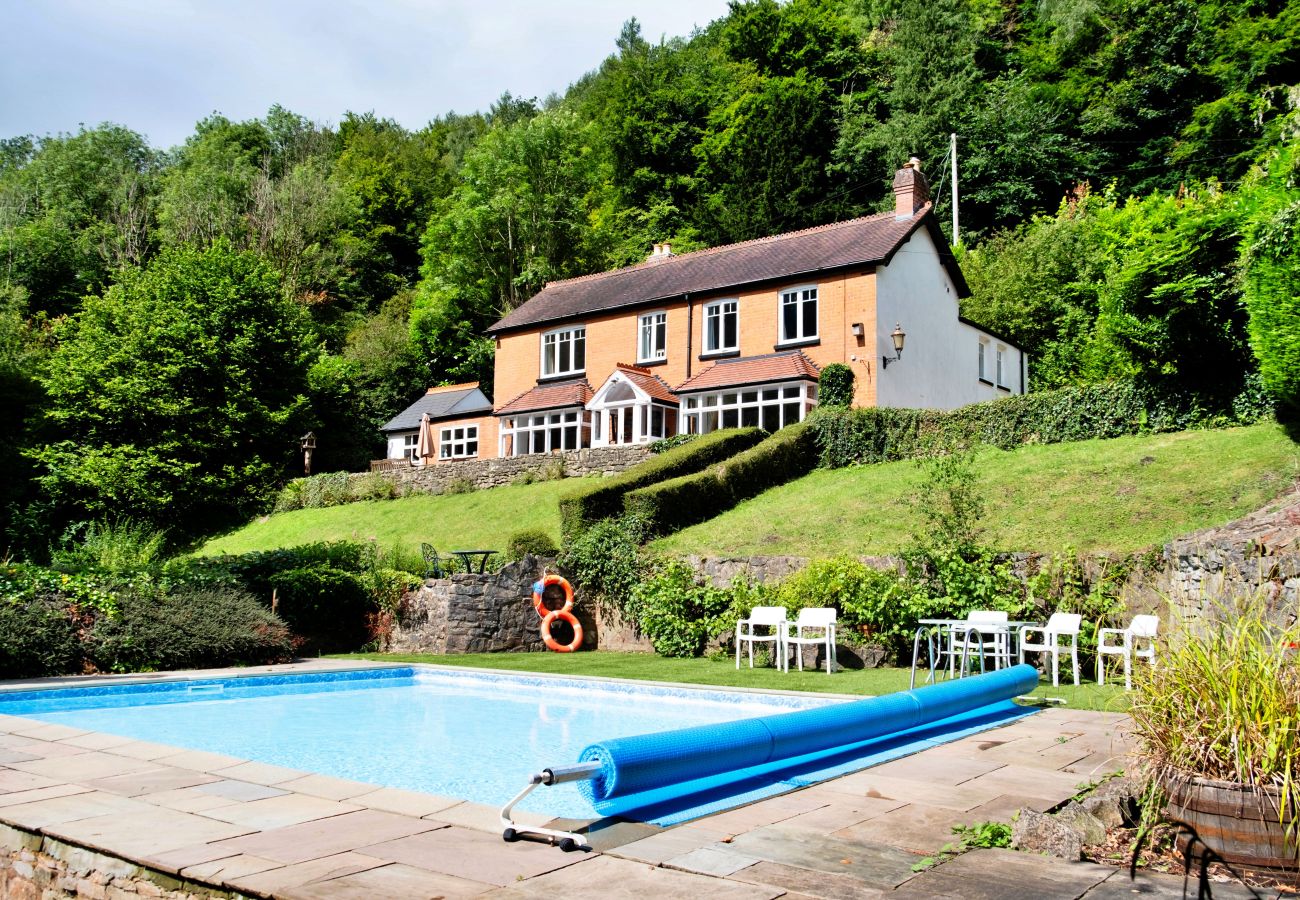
723	673
480	519
1121	494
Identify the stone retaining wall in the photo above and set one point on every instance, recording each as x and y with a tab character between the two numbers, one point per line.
486	473
471	613
36	867
1257	556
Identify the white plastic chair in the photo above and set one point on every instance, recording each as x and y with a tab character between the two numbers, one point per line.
1060	625
984	621
763	616
1142	628
813	619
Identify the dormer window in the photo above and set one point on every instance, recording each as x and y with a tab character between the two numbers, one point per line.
564	352
652	337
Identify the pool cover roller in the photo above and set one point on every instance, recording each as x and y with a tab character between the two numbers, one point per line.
633	774
634	765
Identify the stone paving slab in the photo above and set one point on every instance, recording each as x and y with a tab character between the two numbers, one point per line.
665	845
84	765
279	882
842	813
277	812
408	803
327	837
808	882
874	866
238	791
224	871
1005	875
394	880
472	855
260	773
608	878
57	810
150	830
1167	887
328	787
719	860
150	781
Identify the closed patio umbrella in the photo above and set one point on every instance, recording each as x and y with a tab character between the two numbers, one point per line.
424	444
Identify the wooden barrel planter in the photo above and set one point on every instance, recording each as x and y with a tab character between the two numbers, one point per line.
1239	822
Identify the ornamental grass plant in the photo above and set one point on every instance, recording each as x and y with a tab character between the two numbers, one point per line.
1223	703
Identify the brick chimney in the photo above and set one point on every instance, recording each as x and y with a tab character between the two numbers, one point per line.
911	190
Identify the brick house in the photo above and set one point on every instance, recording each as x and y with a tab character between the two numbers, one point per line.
737	335
459	424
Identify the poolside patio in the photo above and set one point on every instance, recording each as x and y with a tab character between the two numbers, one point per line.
85	814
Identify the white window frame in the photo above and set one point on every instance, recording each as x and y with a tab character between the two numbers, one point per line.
713	407
549	422
452	447
799	296
647	330
983	361
572	335
720	305
410	444
1000	380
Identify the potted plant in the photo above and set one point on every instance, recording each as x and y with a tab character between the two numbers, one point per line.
1218	724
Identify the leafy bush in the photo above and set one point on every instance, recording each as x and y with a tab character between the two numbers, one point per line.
111	547
603	499
326	489
668	443
882	434
677	612
254	571
189	629
862	597
606	559
530	542
325	607
1272	295
39	636
460	485
686	500
835	386
372	486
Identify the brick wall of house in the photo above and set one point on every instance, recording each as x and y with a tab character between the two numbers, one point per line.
612	338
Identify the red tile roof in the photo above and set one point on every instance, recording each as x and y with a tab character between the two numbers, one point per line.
791	365
866	241
560	395
649	382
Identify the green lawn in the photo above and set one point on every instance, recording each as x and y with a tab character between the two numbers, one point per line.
723	673
1121	494
478	520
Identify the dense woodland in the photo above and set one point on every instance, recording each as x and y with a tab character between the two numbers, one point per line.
172	320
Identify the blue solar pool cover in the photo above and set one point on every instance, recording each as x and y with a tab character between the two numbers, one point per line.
651	773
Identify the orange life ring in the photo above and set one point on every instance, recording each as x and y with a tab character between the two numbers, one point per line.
539	588
565	616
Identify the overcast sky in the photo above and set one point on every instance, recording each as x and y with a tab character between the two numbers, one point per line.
158	66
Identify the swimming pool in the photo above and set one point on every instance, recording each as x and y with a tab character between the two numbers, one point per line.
470	735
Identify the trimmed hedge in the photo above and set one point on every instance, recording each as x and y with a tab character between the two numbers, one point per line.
687	500
871	435
326	608
604	499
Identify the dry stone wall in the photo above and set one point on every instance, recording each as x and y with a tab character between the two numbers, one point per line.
471	613
487	473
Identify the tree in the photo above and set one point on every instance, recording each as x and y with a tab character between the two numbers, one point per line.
178	394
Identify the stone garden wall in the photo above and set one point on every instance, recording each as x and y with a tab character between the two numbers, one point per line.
486	473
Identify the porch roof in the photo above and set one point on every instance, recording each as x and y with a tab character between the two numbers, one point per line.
649	382
559	395
791	365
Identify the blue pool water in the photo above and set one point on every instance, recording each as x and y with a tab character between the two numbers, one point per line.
473	736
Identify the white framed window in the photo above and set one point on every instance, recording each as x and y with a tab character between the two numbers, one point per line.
1001	380
410	444
770	407
984	364
458	442
799	314
564	351
545	432
652	337
721	326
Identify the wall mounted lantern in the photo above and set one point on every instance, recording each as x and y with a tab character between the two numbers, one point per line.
899	336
